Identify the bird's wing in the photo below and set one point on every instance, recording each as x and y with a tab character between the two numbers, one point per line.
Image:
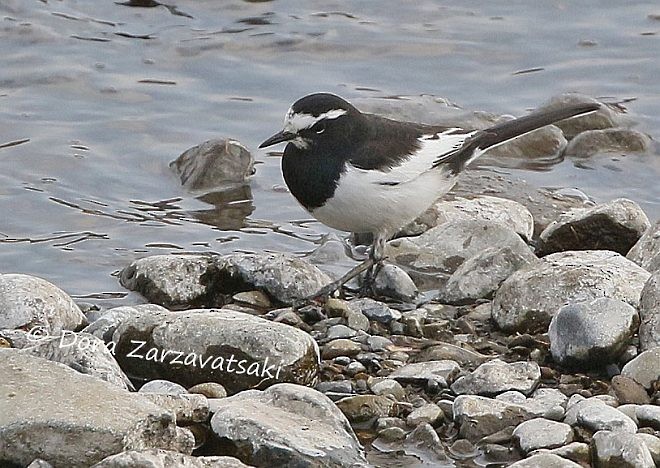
422	153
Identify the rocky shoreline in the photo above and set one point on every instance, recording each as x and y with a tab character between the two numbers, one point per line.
512	327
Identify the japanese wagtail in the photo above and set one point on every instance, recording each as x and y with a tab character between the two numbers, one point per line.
364	173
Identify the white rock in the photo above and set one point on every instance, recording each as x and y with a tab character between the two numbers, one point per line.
497	376
542	433
620	450
644	369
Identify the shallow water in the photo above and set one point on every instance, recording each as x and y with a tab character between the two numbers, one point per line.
96	98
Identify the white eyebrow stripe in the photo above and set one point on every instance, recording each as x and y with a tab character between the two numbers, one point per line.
294	122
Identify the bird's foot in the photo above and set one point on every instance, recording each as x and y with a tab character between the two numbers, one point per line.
326	291
368	287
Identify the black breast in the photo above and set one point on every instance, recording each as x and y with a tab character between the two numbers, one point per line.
311	175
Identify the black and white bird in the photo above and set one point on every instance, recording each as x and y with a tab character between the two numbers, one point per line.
364	173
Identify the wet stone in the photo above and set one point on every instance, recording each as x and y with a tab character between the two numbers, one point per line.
603	118
620	450
421	372
497	376
649	313
646	252
614	226
644	368
611	140
542	433
531	296
286	425
27	302
375	310
593	333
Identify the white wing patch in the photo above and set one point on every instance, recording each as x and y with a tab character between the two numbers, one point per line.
294	122
433	148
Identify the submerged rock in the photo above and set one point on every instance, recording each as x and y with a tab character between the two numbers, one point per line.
195	280
286	425
33	303
649	314
614	226
497	376
234	349
646	252
214	164
531	296
611	140
592	333
95	418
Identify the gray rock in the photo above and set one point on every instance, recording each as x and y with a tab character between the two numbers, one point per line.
531	296
646	252
593	333
163	387
97	419
382	386
482	207
614	226
605	117
627	391
620	450
106	325
340	331
84	353
578	452
375	310
367	408
234	349
610	140
648	416
604	418
214	164
379	343
545	460
340	347
164	458
464	356
548	403
209	390
442	372
497	376
644	368
653	444
286	425
481	275
542	433
426	414
394	283
649	314
445	247
423	443
478	416
36	305
189	280
187	408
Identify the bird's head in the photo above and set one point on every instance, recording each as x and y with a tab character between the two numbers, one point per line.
314	119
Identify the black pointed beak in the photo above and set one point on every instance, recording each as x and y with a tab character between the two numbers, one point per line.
278	138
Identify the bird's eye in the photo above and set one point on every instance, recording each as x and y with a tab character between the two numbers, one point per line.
319	128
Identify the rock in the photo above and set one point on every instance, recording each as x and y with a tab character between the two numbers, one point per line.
649	313
39	463
36	305
548	403
482	207
479	416
542	433
445	247
629	391
337	387
165	458
593	333
648	416
429	413
644	368
603	118
106	325
614	226
610	140
465	357
423	443
253	299
340	347
97	419
194	280
481	275
234	349
545	460
531	296
374	310
575	451
419	373
602	417
646	252
214	164
497	376
340	331
620	450
392	434
209	390
378	343
367	408
187	408
394	283
164	387
286	425
84	353
653	444
381	386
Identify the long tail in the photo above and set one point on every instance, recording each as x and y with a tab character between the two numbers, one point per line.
505	131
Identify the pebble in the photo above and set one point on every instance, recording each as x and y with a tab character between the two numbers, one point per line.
382	386
542	433
428	413
418	373
375	310
497	376
340	347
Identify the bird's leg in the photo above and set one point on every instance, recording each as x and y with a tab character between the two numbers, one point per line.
377	255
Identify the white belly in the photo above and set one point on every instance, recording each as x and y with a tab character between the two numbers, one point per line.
361	204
